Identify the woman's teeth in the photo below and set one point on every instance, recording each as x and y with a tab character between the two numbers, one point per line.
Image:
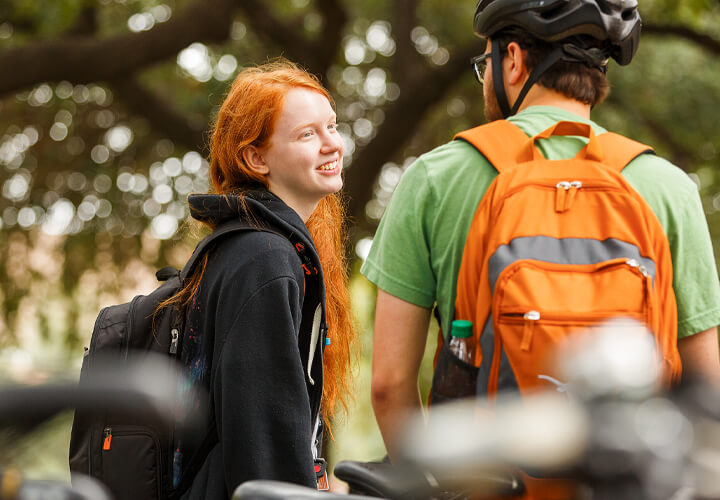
329	166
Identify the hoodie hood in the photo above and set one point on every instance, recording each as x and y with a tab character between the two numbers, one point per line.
258	206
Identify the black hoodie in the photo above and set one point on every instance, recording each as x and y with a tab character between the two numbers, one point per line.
252	338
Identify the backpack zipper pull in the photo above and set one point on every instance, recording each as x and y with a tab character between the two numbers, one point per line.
561	190
174	340
634	263
565	192
530	317
574	188
107	433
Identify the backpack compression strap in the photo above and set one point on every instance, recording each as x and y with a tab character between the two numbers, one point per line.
501	142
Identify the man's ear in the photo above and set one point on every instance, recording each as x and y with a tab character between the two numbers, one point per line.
253	158
517	68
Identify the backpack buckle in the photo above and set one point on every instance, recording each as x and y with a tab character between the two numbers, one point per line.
321	474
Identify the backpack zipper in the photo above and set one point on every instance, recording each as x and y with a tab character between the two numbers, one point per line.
107	438
565	191
174	337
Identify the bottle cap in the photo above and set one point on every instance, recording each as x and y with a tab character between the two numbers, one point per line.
461	328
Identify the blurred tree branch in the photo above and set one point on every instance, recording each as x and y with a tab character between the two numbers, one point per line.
162	115
407	62
335	19
705	41
86	22
316	55
82	59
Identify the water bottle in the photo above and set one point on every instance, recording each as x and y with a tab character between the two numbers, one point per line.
462	343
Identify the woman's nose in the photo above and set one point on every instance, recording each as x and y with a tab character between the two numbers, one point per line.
332	142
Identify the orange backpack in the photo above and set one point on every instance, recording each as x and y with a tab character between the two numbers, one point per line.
557	246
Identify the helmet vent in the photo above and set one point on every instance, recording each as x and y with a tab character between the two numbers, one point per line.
552	12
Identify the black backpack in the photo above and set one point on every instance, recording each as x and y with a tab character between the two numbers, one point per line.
133	456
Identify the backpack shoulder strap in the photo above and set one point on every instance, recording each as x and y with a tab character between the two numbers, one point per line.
619	151
499	141
220	231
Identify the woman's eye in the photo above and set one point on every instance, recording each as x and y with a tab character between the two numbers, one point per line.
332	126
307	133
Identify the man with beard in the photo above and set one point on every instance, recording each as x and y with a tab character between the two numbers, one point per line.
546	63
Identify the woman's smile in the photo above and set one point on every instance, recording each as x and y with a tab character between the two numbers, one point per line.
330	167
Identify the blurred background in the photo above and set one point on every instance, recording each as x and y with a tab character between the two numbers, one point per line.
105	107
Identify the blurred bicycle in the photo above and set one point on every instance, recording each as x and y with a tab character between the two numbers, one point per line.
146	390
609	427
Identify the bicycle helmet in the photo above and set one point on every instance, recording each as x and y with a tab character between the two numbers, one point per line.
615	24
615	21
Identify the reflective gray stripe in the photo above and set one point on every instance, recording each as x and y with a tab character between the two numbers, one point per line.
506	380
573	251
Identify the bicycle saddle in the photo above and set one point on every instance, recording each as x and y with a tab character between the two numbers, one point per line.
384	479
397	482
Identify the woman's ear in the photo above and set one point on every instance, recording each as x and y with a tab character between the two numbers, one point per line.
253	158
517	67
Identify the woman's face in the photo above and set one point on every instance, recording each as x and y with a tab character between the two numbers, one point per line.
304	155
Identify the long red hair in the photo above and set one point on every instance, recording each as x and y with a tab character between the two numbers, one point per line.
247	117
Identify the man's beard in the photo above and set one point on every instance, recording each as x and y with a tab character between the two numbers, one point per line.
492	107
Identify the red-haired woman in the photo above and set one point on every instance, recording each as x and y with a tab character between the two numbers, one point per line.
251	335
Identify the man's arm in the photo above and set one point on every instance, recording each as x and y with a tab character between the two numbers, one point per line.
398	345
700	355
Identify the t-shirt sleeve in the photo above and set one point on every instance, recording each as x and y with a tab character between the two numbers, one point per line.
675	200
695	278
399	259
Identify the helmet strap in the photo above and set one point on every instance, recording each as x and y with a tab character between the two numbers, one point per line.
540	69
497	76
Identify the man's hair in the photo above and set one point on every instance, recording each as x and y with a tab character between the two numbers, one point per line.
572	79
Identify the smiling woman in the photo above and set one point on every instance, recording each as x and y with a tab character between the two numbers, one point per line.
259	318
303	159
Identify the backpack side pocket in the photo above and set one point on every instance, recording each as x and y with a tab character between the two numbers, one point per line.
453	377
130	451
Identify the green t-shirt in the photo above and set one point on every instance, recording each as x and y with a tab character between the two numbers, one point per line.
417	250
